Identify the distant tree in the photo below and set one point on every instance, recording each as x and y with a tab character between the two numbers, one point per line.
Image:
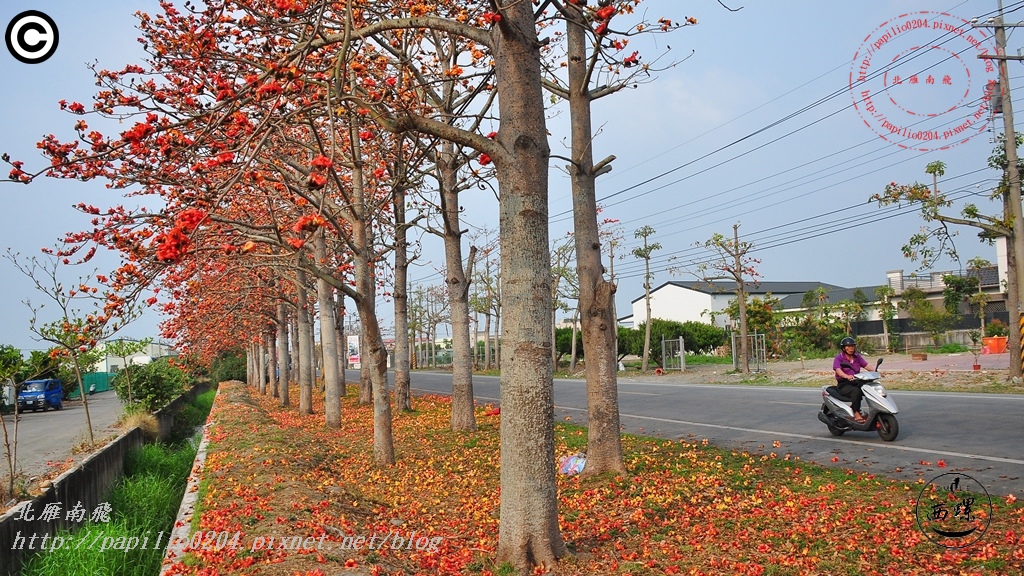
644	253
979	300
929	318
564	345
731	261
887	310
850	311
931	243
699	337
10	364
957	290
629	339
124	349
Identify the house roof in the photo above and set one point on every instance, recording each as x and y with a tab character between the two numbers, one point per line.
778	289
795	301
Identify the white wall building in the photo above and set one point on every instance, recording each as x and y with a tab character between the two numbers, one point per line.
694	300
151	352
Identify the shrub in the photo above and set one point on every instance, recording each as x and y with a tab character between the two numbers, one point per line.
996	328
153	385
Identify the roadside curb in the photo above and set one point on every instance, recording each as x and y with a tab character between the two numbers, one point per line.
179	536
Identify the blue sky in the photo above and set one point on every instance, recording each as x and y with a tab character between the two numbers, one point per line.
757	126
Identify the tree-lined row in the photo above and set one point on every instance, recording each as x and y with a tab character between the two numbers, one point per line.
293	146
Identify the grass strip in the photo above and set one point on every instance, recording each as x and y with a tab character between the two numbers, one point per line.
144	505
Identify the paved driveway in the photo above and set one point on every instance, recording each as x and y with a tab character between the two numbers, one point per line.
50	436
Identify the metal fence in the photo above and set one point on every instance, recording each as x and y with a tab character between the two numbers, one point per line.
757	352
673	354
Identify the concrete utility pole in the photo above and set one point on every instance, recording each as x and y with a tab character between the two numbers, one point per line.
1016	241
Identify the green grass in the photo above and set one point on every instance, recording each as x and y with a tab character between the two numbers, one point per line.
700	359
144	506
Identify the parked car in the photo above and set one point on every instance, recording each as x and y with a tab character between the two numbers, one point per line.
41	394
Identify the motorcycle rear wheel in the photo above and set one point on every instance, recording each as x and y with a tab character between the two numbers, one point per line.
888	427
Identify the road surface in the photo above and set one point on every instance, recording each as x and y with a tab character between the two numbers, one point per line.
50	436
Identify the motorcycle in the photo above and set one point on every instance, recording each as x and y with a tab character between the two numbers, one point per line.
838	416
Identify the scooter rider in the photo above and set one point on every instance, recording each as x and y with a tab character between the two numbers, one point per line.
845	379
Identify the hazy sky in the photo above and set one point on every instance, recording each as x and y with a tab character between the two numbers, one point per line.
755	125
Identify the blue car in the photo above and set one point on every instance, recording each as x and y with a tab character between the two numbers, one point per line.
41	394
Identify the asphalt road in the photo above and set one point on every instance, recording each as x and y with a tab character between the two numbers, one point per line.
981	435
50	436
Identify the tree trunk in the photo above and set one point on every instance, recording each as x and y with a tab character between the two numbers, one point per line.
84	394
487	342
342	342
575	330
250	378
372	354
293	328
365	383
741	295
554	336
497	326
373	365
261	365
457	279
647	325
403	384
272	360
885	335
596	295
328	343
283	356
475	339
528	534
305	344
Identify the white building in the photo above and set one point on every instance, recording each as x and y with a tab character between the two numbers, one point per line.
151	352
697	300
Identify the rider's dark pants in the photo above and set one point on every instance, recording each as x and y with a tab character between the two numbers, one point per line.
853	392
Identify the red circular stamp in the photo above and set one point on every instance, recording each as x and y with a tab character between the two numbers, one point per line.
917	80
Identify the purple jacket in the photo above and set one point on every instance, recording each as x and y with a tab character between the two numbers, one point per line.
858	363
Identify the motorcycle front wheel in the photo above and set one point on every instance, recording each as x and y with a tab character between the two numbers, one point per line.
888	428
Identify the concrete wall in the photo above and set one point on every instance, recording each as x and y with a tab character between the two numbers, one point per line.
89	483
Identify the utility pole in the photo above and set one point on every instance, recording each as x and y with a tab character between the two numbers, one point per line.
1016	241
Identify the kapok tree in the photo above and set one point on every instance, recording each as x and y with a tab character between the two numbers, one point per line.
209	98
932	243
597	66
84	314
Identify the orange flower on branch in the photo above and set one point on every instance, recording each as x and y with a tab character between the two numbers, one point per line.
605	13
321	162
309	223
